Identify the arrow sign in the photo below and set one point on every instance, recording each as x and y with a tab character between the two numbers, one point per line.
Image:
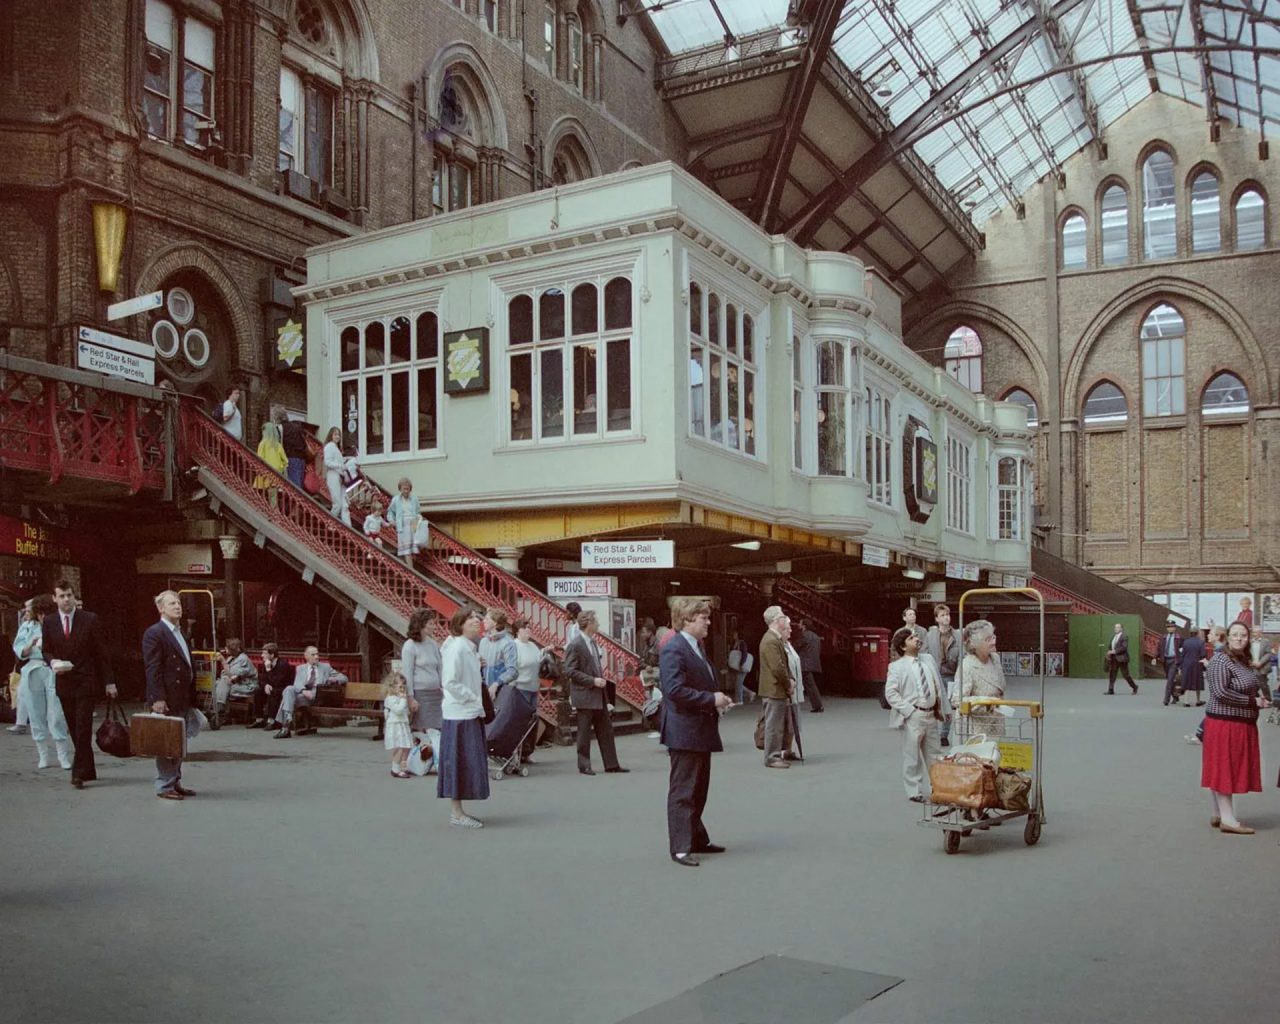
130	307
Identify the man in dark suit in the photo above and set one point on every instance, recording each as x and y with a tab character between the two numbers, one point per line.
1168	655
171	684
72	635
587	696
1118	660
690	729
809	646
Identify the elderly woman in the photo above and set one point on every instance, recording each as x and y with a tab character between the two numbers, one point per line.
982	676
238	678
43	705
1230	762
405	515
420	664
463	756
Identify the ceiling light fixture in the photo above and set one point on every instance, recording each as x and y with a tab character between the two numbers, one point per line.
748	545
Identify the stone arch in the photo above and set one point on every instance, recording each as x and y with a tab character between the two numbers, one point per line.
967	310
359	51
193	256
630	165
464	61
569	134
1170	289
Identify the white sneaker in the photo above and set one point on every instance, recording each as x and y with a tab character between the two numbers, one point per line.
44	764
1191	738
21	730
654	735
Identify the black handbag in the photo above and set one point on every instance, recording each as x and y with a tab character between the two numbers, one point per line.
113	733
489	713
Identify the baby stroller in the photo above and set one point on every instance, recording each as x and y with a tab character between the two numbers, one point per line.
513	721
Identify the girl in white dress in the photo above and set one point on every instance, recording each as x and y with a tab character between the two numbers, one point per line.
396	725
405	515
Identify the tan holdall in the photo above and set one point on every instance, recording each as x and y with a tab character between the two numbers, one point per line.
963	781
153	735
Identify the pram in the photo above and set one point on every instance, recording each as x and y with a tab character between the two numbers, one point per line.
513	721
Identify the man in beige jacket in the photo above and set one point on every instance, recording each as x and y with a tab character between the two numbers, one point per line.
776	686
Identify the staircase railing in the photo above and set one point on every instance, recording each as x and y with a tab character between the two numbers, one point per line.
1084	606
374	573
477	579
795	597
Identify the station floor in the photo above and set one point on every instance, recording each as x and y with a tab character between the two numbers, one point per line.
304	884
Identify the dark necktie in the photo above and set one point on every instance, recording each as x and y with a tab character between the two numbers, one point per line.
66	625
311	679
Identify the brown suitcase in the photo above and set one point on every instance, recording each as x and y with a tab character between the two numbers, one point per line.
963	781
153	735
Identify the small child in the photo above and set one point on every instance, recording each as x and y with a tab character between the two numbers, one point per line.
373	523
396	726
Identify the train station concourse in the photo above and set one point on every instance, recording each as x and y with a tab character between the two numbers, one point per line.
402	399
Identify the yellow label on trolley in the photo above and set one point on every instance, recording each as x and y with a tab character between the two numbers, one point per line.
1019	756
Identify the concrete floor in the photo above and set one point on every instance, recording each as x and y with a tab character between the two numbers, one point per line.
315	888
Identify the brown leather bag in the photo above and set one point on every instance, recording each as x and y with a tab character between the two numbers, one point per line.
964	781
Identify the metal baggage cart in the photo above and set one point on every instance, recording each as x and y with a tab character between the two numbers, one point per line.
1021	747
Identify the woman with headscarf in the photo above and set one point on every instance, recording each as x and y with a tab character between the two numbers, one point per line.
271	451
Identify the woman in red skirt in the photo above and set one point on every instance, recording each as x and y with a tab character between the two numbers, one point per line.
1230	762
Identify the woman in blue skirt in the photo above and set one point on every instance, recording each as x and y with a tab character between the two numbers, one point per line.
463	757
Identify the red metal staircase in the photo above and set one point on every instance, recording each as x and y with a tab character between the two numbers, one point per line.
799	600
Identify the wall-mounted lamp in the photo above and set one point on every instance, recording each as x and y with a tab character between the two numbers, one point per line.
747	545
913	574
109	223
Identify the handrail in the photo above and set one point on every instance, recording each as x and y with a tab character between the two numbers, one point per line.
1082	605
375	572
836	616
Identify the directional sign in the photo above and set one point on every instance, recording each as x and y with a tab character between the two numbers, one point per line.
130	307
115	356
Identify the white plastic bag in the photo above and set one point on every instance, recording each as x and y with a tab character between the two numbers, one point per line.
422	755
980	746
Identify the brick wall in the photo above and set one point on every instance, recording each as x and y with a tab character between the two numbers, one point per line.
1161	504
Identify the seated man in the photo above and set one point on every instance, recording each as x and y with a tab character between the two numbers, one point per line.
238	678
309	677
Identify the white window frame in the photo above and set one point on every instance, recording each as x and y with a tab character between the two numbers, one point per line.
577	59
711	283
1159	212
363	374
176	48
550	52
301	79
799	356
1164	370
489	15
567	279
1011	510
878	440
842	394
960	462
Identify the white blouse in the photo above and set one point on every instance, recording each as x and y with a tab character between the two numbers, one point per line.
528	658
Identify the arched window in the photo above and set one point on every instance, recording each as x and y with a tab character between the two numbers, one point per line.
1074	242
722	377
1020	397
1105	404
1164	390
1115	226
577	72
1013	485
963	357
1206	208
1251	221
570	161
549	36
1225	395
1159	222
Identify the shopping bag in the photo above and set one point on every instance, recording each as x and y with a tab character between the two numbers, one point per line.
421	534
1013	789
112	735
963	781
422	755
153	735
981	747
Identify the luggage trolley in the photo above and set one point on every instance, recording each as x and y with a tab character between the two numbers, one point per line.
1022	747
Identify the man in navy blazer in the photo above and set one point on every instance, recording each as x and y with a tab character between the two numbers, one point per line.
1169	655
690	727
71	635
171	684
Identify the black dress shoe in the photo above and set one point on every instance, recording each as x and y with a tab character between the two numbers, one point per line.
586	771
916	799
1109	693
710	848
687	860
617	770
946	742
284	733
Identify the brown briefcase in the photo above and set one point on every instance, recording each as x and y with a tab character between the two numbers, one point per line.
158	736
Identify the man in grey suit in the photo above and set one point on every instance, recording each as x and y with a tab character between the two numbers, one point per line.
586	695
310	676
1118	661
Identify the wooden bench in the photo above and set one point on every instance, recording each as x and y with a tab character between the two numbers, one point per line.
359	700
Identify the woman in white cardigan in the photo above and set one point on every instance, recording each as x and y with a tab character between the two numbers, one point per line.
333	463
463	757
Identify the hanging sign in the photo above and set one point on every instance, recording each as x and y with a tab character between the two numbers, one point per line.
582	586
131	307
115	356
290	348
629	554
466	361
877	556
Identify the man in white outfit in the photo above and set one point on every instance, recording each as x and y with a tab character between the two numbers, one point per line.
914	693
229	415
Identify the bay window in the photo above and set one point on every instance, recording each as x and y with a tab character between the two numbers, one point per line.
833	408
1013	485
879	447
722	371
959	485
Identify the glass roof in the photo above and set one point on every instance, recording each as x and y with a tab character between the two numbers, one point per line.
904	50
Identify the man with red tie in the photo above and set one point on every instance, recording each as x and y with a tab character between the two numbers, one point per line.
72	645
310	676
